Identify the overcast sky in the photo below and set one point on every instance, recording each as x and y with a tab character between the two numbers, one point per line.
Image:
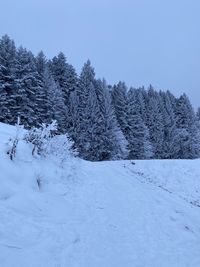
137	41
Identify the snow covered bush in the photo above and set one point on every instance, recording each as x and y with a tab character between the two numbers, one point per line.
39	137
60	146
46	142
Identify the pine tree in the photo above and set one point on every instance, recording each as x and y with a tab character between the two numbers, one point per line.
138	137
114	144
170	130
92	136
188	141
155	122
74	125
41	64
198	114
94	125
119	99
45	82
85	98
56	107
64	75
29	86
8	93
141	103
198	126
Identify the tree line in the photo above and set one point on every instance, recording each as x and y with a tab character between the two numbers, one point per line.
105	122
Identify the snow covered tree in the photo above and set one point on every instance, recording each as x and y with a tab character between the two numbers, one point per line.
87	114
119	99
140	103
74	129
170	129
8	92
64	74
138	135
188	141
78	116
172	100
155	122
114	144
31	103
198	114
56	107
41	63
95	130
66	79
198	119
129	115
87	77
92	134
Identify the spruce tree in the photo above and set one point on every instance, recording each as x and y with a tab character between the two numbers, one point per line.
41	63
155	122
32	107
114	144
188	141
56	108
170	129
119	99
42	101
141	103
8	93
198	114
138	137
64	75
85	97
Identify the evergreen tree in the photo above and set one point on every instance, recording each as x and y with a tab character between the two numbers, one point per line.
85	97
119	99
198	125
92	136
56	107
42	100
138	136
74	129
32	107
198	114
188	141
41	64
155	122
140	96
114	144
8	92
64	75
170	130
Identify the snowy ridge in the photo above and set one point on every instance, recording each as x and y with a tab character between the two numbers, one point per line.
107	214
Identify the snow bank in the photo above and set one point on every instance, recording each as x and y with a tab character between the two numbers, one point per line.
85	214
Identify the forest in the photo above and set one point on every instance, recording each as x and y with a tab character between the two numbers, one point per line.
105	122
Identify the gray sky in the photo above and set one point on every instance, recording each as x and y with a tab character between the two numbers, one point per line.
138	41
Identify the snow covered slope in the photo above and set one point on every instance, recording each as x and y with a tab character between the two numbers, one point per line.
109	214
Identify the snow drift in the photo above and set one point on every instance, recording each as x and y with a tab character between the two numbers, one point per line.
83	214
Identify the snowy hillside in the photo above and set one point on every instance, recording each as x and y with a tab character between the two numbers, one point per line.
107	214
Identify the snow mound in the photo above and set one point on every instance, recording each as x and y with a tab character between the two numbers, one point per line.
83	214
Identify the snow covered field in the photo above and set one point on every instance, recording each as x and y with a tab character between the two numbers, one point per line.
107	214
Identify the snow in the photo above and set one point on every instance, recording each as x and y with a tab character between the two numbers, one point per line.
107	214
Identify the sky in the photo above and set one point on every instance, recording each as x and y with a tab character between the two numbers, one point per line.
140	42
